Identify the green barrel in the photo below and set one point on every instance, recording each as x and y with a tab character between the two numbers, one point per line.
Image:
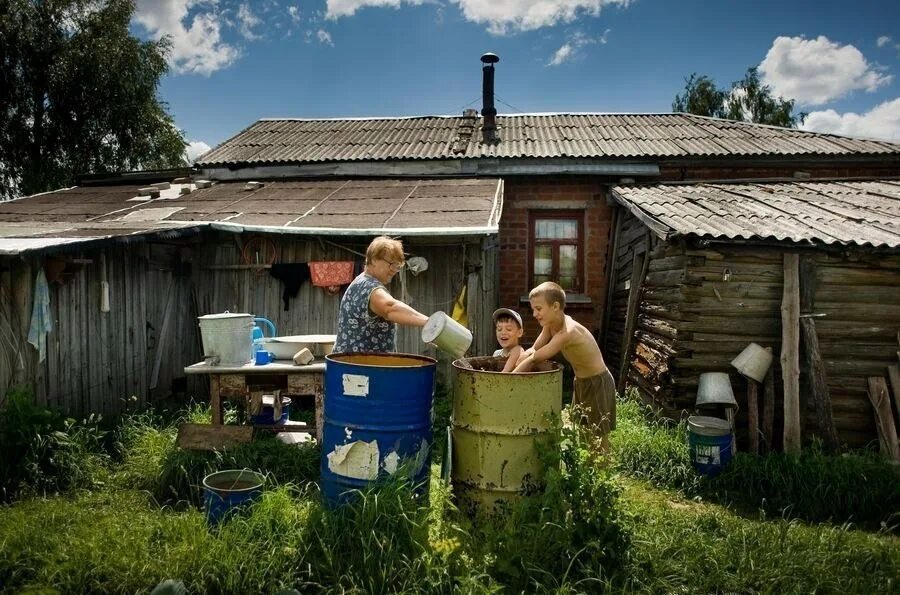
497	420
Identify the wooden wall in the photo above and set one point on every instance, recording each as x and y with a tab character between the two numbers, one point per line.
700	307
97	361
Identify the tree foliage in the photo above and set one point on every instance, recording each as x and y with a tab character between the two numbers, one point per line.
748	100
78	95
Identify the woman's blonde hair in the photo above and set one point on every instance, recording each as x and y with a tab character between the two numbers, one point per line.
383	246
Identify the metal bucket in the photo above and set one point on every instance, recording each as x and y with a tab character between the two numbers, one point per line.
497	421
377	417
446	334
226	492
714	389
753	362
227	337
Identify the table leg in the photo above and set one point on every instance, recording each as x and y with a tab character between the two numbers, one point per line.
215	400
320	412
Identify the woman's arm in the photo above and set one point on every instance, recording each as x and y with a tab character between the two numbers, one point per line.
385	306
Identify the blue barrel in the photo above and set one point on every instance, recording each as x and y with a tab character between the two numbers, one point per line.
377	419
226	492
710	444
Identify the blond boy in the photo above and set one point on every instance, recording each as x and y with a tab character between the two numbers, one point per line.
508	329
595	389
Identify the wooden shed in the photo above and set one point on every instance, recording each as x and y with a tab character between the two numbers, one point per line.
700	273
130	270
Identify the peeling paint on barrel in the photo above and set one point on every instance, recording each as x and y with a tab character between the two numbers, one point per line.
497	420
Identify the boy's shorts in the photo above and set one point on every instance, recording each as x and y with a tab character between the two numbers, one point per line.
597	398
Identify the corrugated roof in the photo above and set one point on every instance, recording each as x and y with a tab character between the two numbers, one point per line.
284	141
347	207
861	213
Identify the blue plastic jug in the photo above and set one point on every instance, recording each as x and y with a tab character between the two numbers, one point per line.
258	334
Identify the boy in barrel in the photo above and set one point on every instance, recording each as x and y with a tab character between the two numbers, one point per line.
595	389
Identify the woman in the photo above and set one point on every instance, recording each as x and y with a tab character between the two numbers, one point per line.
368	316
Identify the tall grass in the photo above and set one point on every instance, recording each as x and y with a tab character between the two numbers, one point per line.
857	487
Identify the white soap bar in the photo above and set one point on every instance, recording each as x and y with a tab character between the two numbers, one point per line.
303	357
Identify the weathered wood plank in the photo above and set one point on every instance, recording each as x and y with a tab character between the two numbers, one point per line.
638	272
884	419
790	353
209	437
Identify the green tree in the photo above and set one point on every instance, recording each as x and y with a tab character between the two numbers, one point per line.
749	100
78	95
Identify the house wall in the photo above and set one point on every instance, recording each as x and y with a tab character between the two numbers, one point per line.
105	362
524	195
700	307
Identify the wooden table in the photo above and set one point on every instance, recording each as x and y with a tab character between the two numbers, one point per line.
234	382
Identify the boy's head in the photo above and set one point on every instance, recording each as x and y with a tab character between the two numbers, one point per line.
548	302
508	326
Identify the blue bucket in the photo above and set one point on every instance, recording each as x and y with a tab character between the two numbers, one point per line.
710	443
226	492
266	417
377	420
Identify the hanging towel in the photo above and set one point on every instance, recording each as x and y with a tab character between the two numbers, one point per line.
331	274
292	275
459	309
41	322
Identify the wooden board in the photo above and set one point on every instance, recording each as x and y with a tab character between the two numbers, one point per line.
209	437
884	419
790	353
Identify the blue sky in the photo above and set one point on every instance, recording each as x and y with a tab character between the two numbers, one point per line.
235	61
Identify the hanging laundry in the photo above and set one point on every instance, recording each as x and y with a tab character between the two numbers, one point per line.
41	321
292	275
331	275
459	308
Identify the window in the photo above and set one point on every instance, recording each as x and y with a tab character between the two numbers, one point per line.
557	248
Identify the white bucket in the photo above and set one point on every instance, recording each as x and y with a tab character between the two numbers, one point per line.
753	362
446	334
227	336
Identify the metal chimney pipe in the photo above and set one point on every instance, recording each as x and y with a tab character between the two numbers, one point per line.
487	96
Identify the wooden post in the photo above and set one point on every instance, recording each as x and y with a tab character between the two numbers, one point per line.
215	400
768	409
894	373
790	353
638	272
818	382
753	415
884	419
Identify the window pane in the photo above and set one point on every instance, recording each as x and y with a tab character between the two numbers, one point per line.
556	229
568	266
543	261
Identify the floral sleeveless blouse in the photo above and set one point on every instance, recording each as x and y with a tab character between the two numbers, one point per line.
358	329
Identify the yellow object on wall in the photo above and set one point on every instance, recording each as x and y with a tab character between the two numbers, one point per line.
459	309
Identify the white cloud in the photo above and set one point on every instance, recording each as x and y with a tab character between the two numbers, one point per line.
197	47
194	149
505	16
881	122
561	55
883	41
814	71
569	49
500	16
247	21
347	8
324	37
294	11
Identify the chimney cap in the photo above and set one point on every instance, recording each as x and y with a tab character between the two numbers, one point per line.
490	58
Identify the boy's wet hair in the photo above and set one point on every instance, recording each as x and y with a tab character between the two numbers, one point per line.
551	292
505	318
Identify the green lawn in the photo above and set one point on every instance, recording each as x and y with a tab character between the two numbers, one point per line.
644	523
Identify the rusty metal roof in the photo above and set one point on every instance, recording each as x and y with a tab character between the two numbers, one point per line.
294	141
852	212
338	207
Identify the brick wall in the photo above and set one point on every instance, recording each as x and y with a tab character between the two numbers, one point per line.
528	194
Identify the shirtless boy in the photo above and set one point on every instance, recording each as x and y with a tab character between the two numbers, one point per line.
595	389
